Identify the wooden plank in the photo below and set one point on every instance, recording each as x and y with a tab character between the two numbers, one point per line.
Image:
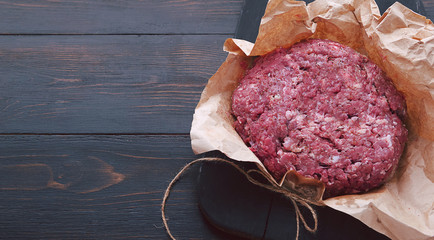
118	16
248	25
428	6
96	187
267	215
104	84
231	203
332	224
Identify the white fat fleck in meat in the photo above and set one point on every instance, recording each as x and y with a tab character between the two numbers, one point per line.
335	159
276	96
329	119
362	131
251	86
290	114
319	117
299	118
356	85
389	140
381	121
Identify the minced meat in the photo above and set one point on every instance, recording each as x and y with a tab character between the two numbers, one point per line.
325	111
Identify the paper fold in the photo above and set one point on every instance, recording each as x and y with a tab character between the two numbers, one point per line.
401	42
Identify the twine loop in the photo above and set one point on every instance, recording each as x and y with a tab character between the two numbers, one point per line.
272	186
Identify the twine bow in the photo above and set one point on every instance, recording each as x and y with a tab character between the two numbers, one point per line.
272	186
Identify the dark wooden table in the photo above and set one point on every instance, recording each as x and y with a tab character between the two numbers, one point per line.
96	103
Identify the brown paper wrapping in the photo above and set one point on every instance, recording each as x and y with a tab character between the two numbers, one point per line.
401	42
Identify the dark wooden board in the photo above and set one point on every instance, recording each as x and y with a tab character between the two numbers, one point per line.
248	24
333	225
234	205
231	203
119	16
428	7
96	187
104	84
280	215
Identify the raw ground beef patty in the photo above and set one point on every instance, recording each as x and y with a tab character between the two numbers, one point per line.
325	111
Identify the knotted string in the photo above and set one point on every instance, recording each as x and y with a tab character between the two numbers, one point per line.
272	186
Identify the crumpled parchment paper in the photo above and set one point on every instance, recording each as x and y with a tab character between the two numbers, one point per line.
401	42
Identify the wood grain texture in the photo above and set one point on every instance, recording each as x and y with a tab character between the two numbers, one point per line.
428	6
118	16
96	187
104	84
110	67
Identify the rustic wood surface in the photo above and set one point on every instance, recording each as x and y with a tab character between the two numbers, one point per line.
428	6
96	102
95	187
104	83
119	16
